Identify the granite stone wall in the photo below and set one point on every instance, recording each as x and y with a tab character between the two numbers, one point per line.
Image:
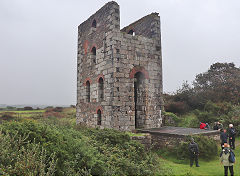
171	141
145	140
161	141
130	66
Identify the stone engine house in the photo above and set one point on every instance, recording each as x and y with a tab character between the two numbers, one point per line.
119	72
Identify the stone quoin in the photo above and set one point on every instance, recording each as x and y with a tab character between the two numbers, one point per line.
119	72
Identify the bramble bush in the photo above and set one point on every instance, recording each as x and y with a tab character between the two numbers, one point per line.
170	119
85	151
189	120
206	117
207	147
224	112
20	157
7	116
178	107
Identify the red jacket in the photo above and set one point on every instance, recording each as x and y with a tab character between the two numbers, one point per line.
202	126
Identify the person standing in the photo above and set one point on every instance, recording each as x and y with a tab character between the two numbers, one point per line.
220	126
194	152
202	125
231	134
215	127
207	127
224	158
223	137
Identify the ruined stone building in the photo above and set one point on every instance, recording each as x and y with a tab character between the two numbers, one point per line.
119	72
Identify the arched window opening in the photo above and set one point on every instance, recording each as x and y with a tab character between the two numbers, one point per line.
94	51
87	91
93	54
94	24
100	89
131	32
99	117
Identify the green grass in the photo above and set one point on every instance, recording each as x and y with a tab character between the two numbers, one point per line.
27	111
207	168
25	114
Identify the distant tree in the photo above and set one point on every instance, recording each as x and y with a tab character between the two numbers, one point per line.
58	109
26	108
11	107
220	83
183	100
177	103
185	94
178	107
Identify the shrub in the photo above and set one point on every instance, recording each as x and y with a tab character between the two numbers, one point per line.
53	114
178	107
204	116
58	109
87	151
28	108
108	136
207	148
232	117
7	116
19	157
218	109
170	119
189	120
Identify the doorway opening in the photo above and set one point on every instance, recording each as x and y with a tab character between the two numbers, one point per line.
139	99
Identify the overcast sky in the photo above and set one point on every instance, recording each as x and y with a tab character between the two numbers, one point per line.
38	43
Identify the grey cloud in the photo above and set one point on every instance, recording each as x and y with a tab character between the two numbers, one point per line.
38	43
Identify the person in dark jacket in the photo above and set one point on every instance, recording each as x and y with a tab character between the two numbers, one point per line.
220	126
215	127
223	137
194	152
231	135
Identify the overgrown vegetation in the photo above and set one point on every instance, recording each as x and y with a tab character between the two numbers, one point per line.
180	154
56	146
18	156
213	96
207	147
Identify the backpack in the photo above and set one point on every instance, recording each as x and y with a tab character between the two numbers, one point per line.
233	131
193	148
231	157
